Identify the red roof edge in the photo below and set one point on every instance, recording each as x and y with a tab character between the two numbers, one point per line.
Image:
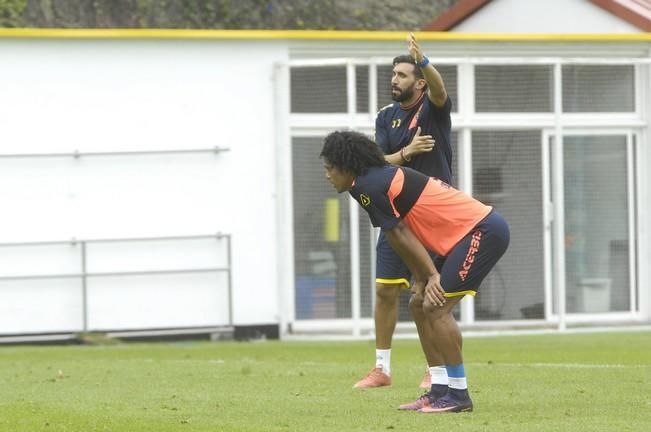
455	15
617	9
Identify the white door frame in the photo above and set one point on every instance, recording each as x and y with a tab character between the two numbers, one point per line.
550	248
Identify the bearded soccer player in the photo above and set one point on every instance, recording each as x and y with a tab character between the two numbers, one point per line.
413	131
419	213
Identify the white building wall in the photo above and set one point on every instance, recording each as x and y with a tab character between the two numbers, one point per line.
543	16
103	95
65	96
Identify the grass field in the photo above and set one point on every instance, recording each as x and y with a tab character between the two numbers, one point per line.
571	382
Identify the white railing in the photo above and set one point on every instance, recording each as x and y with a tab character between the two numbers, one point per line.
94	290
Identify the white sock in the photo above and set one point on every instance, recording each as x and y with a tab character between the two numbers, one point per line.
459	383
383	360
439	375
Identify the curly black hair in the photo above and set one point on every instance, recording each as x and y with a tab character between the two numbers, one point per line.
352	152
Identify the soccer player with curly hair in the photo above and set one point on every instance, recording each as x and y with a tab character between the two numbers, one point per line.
418	214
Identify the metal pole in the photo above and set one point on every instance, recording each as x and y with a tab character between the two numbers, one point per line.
464	149
372	91
230	279
355	296
466	85
84	287
77	154
559	201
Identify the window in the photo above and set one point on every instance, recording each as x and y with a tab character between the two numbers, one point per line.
514	88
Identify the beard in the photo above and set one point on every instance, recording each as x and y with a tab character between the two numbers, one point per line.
402	95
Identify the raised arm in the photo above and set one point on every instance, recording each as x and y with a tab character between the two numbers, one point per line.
435	86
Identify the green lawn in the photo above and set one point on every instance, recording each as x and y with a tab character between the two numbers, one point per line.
574	382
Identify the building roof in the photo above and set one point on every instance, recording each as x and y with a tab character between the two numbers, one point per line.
635	12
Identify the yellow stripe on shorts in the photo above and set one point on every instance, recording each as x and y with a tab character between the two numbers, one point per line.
401	281
461	293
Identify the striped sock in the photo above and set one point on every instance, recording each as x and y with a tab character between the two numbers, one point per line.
457	377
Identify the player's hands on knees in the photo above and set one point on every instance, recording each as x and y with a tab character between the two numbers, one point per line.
419	144
418	288
434	292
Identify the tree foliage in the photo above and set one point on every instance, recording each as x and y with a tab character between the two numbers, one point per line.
223	14
12	12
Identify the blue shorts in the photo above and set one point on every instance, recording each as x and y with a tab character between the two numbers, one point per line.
474	256
389	268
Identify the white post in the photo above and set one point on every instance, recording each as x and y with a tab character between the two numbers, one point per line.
643	156
464	157
643	275
284	208
355	296
548	221
372	91
558	197
630	181
466	86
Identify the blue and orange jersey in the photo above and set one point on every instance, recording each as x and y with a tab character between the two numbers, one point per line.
438	214
396	126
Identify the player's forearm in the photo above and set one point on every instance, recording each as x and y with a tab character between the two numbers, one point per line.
394	159
411	250
402	156
435	85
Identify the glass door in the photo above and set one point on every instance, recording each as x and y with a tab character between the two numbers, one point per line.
598	208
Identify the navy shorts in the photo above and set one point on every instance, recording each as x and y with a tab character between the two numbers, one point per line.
474	256
389	268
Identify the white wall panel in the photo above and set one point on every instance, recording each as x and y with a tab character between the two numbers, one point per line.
40	306
45	259
62	96
157	301
157	255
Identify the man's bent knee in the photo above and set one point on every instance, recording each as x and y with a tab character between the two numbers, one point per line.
435	311
416	304
432	310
